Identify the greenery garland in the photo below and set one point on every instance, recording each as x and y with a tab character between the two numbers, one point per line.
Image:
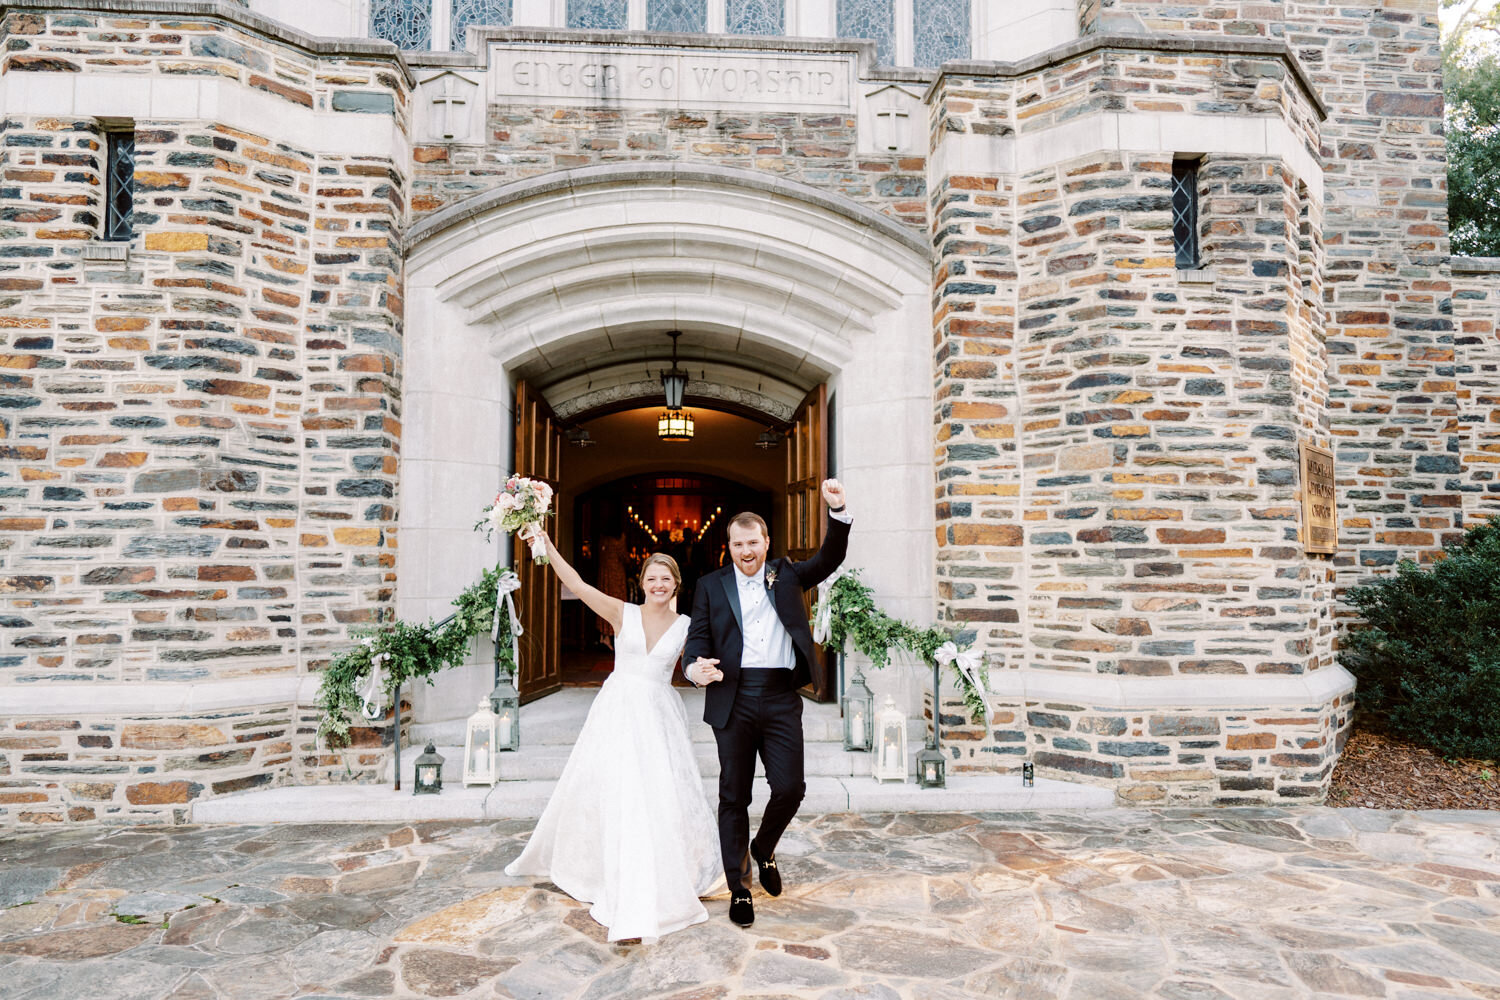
856	622
411	651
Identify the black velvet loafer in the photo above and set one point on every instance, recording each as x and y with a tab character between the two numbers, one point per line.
741	910
770	875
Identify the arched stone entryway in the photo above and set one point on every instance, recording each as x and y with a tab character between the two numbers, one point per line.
570	280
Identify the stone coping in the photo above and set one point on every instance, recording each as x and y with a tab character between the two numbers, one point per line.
1168	43
232	13
1226	691
673	174
169	698
1476	265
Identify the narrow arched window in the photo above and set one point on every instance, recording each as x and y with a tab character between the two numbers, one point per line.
1185	213
119	184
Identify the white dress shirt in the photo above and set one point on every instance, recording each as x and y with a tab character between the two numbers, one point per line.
767	643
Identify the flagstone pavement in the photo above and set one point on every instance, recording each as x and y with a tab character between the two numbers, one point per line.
1181	905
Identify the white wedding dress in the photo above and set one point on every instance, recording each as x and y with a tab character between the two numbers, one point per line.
629	828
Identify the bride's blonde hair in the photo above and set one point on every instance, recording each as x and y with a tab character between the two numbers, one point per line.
662	559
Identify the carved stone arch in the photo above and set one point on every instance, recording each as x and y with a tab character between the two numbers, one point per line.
570	281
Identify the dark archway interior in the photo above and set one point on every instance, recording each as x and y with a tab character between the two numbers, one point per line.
632	495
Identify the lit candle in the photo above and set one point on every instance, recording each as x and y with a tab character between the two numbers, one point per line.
505	729
890	757
859	729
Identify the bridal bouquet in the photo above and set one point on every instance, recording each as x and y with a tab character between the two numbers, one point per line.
520	506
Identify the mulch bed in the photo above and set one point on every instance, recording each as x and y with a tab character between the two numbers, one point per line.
1381	771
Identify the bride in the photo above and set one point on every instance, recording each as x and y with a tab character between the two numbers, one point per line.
628	827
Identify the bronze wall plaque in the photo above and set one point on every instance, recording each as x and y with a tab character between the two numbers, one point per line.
1320	526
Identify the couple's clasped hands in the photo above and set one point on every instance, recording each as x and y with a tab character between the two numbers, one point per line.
703	671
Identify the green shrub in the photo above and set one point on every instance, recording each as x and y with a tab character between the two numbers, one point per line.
1427	657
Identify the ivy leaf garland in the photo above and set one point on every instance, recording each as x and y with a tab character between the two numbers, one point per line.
411	651
857	623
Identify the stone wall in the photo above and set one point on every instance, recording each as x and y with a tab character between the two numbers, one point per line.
200	427
1476	314
1393	406
1182	755
1118	440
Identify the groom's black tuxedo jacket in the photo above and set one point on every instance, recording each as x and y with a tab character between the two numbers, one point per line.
715	629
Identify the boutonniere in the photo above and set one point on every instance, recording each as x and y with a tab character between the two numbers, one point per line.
770	578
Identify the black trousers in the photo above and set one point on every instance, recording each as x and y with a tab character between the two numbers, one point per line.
766	721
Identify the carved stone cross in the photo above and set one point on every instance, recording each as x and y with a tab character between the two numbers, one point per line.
890	127
448	99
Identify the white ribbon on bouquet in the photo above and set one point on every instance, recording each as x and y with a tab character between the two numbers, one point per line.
823	619
372	699
507	585
968	664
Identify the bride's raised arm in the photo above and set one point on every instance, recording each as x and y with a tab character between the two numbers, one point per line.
611	609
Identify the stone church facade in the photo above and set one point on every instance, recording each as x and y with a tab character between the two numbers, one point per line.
1074	432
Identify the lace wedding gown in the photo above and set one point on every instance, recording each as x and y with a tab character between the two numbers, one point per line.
628	827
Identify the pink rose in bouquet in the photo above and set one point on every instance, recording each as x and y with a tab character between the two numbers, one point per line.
520	506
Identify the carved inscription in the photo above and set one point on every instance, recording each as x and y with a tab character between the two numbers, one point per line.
670	77
1320	526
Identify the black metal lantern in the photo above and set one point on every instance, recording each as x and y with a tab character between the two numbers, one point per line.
931	767
505	702
859	714
930	764
674	379
429	780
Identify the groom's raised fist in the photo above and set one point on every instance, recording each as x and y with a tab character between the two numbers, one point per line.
833	493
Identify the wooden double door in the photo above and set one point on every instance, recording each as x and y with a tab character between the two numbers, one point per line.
539	455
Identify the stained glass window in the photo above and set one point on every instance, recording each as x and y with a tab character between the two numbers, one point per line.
677	15
942	30
609	14
119	186
1185	213
755	17
873	19
480	12
408	23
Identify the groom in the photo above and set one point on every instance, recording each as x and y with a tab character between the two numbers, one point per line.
749	642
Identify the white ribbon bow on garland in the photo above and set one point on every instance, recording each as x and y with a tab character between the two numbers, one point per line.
823	620
372	699
507	585
968	665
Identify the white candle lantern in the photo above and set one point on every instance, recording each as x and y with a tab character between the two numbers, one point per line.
481	746
890	742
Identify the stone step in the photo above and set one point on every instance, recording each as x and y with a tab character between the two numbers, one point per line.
526	799
545	762
557	719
